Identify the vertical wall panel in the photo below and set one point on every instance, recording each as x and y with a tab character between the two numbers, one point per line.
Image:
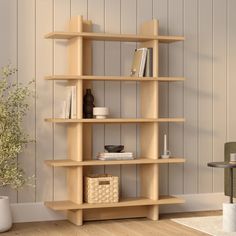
112	67
128	98
8	49
231	134
61	18
79	7
191	96
176	95
160	12
44	101
26	73
96	14
205	95
219	89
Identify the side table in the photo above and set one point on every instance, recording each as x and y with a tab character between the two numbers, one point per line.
229	209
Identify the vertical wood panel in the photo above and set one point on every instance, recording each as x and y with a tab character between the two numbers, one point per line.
160	12
128	98
219	89
8	48
44	131
176	95
61	19
144	13
112	67
96	14
191	96
205	95
26	72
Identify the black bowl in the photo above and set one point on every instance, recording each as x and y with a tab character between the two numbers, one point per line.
114	148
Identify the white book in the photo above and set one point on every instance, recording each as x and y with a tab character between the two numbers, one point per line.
73	102
68	104
115	158
139	60
115	155
63	110
143	61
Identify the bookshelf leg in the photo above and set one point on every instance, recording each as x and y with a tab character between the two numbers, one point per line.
153	213
75	217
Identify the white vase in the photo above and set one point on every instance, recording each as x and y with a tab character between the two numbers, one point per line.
229	217
5	214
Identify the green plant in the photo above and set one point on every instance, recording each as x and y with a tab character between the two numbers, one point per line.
13	107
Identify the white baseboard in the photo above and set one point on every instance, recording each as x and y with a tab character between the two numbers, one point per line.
32	212
197	202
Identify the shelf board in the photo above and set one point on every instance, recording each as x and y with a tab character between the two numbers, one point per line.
113	78
69	205
71	163
114	120
112	37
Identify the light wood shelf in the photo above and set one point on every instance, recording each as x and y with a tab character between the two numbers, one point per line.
113	78
71	163
79	131
69	205
113	37
114	120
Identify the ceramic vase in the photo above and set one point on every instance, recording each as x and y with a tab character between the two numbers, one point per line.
5	214
88	104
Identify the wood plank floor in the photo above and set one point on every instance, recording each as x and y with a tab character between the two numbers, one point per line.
128	227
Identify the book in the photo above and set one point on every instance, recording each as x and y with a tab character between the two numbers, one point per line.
73	114
63	110
148	71
68	104
139	59
115	156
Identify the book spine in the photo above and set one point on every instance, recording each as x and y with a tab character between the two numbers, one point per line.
143	62
149	63
68	105
73	102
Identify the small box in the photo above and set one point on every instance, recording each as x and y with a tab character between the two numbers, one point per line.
101	188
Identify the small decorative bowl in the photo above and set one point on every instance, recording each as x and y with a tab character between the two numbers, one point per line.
114	148
100	112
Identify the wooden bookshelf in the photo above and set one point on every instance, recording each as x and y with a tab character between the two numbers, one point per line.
79	131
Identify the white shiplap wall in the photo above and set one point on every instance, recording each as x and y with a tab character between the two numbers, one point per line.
206	99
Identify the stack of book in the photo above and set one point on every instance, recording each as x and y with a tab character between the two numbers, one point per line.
105	156
142	63
68	110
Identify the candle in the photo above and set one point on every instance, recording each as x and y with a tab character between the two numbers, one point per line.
165	144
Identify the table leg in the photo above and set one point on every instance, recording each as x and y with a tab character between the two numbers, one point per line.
231	185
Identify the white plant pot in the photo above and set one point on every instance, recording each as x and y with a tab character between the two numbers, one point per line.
5	214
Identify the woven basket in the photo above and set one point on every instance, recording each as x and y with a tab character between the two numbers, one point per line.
101	189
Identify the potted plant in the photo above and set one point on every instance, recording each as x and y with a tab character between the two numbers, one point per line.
13	107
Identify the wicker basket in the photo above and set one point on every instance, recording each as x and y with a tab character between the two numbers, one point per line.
101	189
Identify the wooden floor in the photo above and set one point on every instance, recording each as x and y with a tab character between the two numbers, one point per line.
128	227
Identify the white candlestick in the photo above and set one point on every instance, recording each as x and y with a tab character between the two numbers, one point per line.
165	144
